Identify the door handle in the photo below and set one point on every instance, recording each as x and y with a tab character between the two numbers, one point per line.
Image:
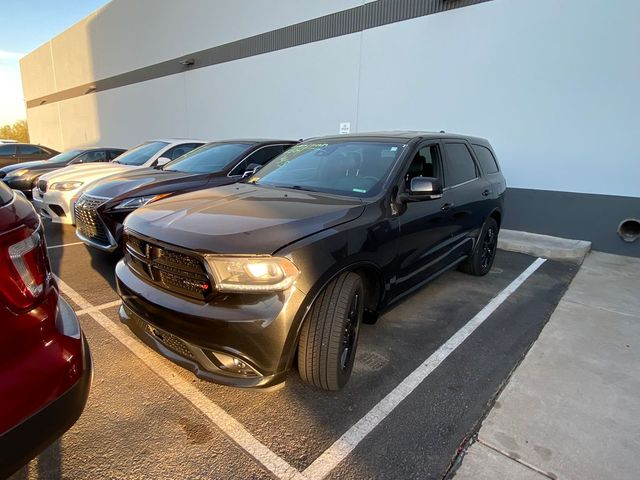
446	206
486	192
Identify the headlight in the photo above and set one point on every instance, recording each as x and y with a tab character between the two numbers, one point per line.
252	274
17	173
137	202
65	186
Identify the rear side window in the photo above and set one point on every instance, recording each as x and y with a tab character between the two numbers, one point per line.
6	195
265	154
113	154
92	156
177	152
486	159
7	150
460	166
30	150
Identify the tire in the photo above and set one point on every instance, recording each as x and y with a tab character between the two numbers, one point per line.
481	260
329	337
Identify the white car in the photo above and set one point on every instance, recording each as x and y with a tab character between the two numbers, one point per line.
56	192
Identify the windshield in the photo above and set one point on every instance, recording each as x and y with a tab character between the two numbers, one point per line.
211	158
352	168
64	158
140	154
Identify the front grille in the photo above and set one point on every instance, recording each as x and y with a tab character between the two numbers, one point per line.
42	186
88	221
169	269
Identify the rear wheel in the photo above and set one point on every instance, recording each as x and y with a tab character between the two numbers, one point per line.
329	337
481	261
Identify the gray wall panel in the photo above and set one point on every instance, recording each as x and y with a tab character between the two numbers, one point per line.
579	216
367	16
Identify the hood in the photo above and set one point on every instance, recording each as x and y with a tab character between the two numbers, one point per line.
242	218
141	182
85	173
33	164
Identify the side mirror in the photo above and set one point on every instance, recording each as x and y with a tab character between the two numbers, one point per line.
252	168
422	188
162	161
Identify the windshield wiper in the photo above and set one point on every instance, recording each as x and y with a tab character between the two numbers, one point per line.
295	187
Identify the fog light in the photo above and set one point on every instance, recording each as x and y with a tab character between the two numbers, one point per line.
234	365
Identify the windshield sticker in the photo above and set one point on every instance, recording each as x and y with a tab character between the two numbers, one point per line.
393	149
359	190
296	150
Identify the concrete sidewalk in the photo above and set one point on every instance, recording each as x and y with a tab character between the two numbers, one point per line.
572	408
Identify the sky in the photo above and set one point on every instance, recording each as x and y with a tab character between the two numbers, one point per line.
26	25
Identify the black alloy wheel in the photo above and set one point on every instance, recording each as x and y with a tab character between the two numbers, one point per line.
479	263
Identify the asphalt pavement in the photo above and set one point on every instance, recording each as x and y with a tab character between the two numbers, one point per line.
426	374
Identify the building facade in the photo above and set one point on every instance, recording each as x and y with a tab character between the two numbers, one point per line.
552	84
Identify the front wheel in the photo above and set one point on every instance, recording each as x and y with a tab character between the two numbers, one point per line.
329	336
481	260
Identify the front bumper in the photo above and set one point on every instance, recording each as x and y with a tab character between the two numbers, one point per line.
55	205
30	437
260	330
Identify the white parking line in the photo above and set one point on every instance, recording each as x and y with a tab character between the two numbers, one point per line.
115	303
342	447
65	245
164	369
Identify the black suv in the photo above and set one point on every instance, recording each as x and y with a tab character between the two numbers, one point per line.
102	208
236	283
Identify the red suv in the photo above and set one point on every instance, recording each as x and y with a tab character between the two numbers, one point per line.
45	364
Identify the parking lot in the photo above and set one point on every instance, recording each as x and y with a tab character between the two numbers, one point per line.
425	375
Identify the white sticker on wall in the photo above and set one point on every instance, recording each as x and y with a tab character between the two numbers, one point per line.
345	127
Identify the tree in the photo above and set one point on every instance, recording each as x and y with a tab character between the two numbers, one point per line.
18	131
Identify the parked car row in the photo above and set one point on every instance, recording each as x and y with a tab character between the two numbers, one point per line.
100	212
243	257
55	193
23	176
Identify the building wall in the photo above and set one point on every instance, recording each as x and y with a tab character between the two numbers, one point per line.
553	85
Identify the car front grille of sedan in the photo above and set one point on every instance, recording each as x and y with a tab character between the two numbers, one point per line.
88	221
169	269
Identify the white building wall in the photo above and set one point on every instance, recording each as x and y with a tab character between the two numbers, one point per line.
553	85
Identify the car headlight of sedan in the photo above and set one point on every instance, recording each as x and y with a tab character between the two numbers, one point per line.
17	173
252	273
65	186
137	202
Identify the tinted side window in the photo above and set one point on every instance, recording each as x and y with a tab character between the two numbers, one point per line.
29	150
460	166
486	159
265	154
113	154
93	156
7	150
260	156
426	163
178	151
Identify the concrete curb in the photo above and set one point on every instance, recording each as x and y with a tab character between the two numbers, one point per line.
554	248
